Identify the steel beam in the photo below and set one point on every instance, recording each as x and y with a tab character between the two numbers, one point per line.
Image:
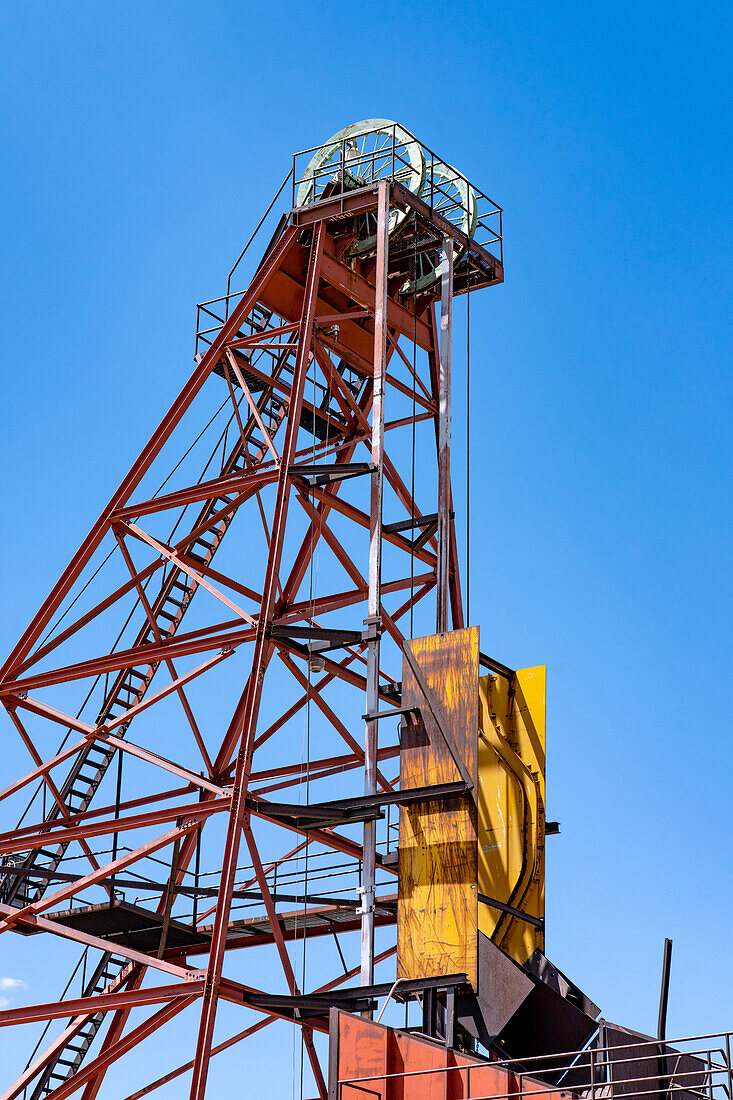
444	433
374	605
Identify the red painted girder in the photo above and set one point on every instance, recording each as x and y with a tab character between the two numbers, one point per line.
101	1062
203	490
58	1044
321	604
329	714
100	1002
20	839
362	291
172	1074
362	519
316	769
130	658
282	387
262	649
70	888
195	574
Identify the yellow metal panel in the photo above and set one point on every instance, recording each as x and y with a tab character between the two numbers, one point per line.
511	807
437	913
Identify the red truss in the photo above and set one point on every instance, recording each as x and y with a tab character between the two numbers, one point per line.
327	379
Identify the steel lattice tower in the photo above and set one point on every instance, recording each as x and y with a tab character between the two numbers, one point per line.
327	375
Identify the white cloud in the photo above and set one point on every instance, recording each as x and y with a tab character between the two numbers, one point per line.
7	984
12	983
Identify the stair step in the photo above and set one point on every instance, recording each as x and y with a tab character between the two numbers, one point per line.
180	604
88	779
96	750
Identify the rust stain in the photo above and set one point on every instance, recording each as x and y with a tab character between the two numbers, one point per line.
437	921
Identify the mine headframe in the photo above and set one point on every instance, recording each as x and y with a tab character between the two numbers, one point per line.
341	340
310	363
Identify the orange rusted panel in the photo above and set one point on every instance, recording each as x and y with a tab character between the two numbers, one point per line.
529	1086
473	1078
369	1060
417	1069
359	1049
437	916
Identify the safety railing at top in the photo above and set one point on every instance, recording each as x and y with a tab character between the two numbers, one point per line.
693	1068
396	154
211	315
383	153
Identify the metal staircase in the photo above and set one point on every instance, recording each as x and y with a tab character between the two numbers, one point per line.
110	973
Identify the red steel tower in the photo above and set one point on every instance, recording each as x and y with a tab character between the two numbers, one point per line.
210	777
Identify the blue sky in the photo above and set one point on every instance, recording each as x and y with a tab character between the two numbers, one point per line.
140	143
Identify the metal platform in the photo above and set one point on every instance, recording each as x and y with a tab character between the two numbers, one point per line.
130	926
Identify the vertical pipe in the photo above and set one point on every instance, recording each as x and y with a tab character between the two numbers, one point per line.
444	433
664	993
662	1020
603	1060
375	572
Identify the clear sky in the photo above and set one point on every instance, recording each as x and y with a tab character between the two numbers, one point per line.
141	141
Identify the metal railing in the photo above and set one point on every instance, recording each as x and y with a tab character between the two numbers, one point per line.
444	190
693	1068
441	187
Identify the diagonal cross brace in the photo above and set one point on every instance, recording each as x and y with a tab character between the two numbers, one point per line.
437	712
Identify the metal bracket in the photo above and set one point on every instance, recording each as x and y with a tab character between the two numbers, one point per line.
496	666
518	913
373	630
429	525
361	892
322	639
343	811
396	712
314	474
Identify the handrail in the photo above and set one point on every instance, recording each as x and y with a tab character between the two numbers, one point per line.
713	1076
254	234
